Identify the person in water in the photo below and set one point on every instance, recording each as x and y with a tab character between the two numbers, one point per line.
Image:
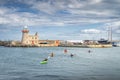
89	51
65	51
71	55
52	54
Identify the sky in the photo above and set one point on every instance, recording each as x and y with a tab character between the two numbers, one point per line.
60	19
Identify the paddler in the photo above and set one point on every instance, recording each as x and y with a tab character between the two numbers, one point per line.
52	54
45	59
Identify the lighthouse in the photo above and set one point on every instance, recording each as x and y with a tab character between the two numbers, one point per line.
25	32
28	39
33	40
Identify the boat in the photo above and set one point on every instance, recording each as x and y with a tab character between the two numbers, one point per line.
116	44
43	62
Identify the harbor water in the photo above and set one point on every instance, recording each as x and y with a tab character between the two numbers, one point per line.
24	63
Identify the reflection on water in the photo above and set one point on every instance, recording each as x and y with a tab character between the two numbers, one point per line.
24	64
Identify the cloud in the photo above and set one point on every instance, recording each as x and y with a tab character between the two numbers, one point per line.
99	14
91	31
115	26
8	16
118	31
50	12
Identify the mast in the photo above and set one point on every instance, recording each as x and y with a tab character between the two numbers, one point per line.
111	34
108	32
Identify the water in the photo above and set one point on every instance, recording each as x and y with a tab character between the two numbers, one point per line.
24	64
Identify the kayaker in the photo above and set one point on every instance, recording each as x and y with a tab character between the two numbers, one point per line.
45	59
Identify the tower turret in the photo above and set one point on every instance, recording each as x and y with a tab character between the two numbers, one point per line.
25	32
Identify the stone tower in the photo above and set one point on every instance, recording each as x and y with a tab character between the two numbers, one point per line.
25	32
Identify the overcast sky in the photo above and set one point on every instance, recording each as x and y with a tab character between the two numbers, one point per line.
60	19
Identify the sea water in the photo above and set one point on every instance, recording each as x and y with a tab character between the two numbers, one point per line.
24	63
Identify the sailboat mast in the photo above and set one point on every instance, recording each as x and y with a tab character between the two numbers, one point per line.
108	32
111	34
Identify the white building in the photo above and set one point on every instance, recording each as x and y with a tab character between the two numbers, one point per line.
29	39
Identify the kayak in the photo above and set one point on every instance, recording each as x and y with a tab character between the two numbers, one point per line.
43	62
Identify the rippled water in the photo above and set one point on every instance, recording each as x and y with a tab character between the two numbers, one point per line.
24	64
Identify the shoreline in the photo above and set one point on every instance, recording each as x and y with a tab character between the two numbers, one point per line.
75	46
